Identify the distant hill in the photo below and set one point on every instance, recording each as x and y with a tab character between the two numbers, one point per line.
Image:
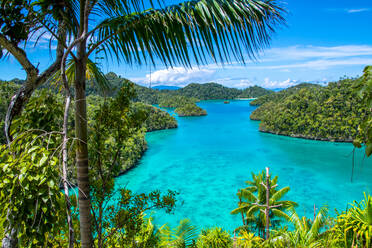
166	87
277	96
212	91
207	91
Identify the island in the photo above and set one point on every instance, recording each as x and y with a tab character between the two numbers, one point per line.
190	110
330	113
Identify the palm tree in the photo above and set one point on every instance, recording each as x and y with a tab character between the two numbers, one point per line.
137	31
253	198
355	224
307	233
184	235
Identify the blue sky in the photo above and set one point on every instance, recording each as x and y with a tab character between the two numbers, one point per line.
323	41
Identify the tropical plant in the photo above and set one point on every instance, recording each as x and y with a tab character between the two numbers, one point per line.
247	240
307	232
252	200
214	238
184	235
30	198
354	227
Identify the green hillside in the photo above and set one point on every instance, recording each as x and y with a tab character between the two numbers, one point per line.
313	112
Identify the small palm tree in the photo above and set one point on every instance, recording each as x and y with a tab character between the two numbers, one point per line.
214	238
248	240
355	225
307	233
254	196
184	235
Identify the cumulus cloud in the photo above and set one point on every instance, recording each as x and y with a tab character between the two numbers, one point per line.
177	76
243	83
269	84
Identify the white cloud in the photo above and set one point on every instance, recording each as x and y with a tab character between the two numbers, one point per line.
244	83
177	76
278	84
357	10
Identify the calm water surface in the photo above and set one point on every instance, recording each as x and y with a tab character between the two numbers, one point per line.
207	159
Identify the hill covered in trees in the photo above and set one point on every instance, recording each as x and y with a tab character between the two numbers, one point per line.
185	98
277	96
190	110
308	111
213	91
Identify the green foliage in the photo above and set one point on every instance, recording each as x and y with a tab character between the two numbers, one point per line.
354	227
209	91
30	198
190	110
184	235
307	233
248	240
214	238
364	91
195	92
253	197
278	96
16	20
157	119
254	92
43	113
324	113
175	101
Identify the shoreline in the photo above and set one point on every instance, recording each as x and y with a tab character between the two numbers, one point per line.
245	99
301	136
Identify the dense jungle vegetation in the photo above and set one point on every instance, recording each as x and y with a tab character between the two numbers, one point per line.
331	113
190	110
277	96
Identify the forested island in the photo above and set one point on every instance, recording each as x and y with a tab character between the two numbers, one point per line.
331	113
190	110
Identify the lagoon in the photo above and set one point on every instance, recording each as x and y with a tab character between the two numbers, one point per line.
207	159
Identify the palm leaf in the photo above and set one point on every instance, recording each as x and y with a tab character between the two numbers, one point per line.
93	73
218	28
279	194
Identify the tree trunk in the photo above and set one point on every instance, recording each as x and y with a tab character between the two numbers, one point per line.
82	148
10	238
71	237
267	203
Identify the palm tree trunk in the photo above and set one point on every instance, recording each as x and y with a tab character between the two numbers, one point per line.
267	203
82	148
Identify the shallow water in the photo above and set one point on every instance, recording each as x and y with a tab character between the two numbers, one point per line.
207	159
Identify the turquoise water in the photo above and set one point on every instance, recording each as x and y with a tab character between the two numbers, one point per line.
207	159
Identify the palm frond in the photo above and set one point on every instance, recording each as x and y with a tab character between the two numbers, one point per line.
280	214
248	195
279	194
318	222
220	29
93	74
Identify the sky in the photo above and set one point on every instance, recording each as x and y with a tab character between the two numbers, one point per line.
323	41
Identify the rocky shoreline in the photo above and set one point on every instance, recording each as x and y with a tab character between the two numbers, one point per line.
301	136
